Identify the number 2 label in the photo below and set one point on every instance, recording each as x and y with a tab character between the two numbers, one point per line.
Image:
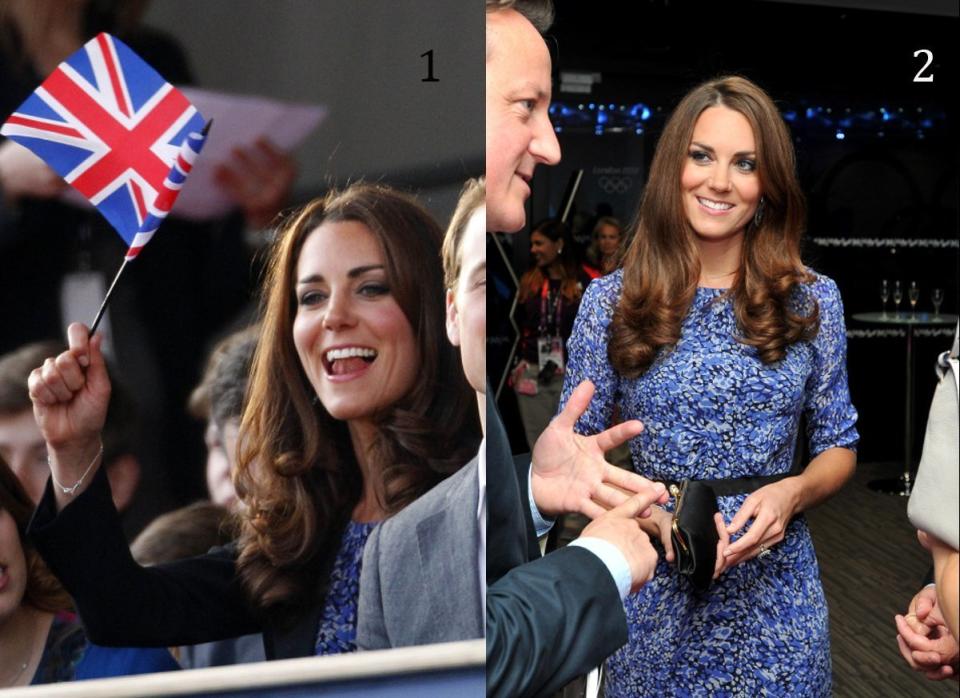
920	77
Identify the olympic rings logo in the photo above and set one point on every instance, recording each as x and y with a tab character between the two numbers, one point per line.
615	185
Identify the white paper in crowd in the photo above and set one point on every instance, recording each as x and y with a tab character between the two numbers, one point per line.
81	294
239	120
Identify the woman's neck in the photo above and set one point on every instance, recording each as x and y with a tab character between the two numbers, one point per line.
554	270
720	261
22	638
363	435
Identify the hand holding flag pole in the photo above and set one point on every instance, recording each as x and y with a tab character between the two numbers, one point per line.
161	207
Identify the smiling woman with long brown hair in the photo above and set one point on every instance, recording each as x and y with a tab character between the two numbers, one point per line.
718	338
356	406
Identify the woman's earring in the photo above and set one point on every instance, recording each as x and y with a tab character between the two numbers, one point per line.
315	400
758	214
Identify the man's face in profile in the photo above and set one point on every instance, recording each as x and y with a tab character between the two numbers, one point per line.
467	304
519	133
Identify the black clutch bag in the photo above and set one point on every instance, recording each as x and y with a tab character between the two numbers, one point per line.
694	532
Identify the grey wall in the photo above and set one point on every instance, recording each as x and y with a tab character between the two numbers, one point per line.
361	59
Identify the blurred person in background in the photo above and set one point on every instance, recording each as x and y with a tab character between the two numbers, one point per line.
603	254
22	444
547	302
41	639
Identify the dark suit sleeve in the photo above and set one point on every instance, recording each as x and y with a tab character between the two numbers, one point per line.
371	626
549	621
120	602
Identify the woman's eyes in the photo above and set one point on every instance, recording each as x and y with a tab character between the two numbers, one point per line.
372	290
312	297
701	157
367	290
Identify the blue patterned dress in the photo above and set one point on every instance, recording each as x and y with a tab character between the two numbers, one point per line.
338	623
712	409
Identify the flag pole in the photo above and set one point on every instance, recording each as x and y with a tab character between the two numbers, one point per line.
106	299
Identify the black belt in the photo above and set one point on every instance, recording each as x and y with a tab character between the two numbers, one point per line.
733	485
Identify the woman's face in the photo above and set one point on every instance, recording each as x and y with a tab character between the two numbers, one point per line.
608	239
13	567
354	342
719	182
544	250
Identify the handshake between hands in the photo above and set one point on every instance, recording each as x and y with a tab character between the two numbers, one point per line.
570	475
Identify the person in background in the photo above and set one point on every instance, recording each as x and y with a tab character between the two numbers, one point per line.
218	399
547	302
182	533
41	639
22	444
603	254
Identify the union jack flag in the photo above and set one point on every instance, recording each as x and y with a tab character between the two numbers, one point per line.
114	129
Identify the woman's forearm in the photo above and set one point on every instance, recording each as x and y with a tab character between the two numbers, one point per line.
823	477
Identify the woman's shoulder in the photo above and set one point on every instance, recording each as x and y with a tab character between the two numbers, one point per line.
819	288
606	288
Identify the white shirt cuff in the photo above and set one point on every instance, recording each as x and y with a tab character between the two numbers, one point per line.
540	524
611	557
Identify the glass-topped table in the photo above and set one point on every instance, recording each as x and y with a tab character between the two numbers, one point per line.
904	484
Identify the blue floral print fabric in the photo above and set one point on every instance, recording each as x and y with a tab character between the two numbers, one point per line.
712	409
338	624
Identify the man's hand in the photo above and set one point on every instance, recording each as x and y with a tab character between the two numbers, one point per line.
620	527
570	473
259	180
24	174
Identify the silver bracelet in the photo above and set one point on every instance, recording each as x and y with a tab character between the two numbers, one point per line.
71	490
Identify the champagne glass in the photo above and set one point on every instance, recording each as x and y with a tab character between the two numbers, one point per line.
913	294
897	297
884	296
936	296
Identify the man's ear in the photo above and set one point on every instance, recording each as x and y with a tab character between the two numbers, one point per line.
453	326
124	476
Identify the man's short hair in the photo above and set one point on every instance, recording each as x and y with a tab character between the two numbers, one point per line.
471	198
229	385
538	12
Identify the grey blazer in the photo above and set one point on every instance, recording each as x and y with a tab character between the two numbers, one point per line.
419	583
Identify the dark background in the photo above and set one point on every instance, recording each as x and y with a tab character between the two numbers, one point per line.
882	201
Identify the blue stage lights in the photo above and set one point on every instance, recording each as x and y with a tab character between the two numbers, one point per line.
807	121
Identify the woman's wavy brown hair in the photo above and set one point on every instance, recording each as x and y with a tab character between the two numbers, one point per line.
43	591
662	266
297	472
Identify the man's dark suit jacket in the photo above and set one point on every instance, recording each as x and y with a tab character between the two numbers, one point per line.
181	603
549	619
